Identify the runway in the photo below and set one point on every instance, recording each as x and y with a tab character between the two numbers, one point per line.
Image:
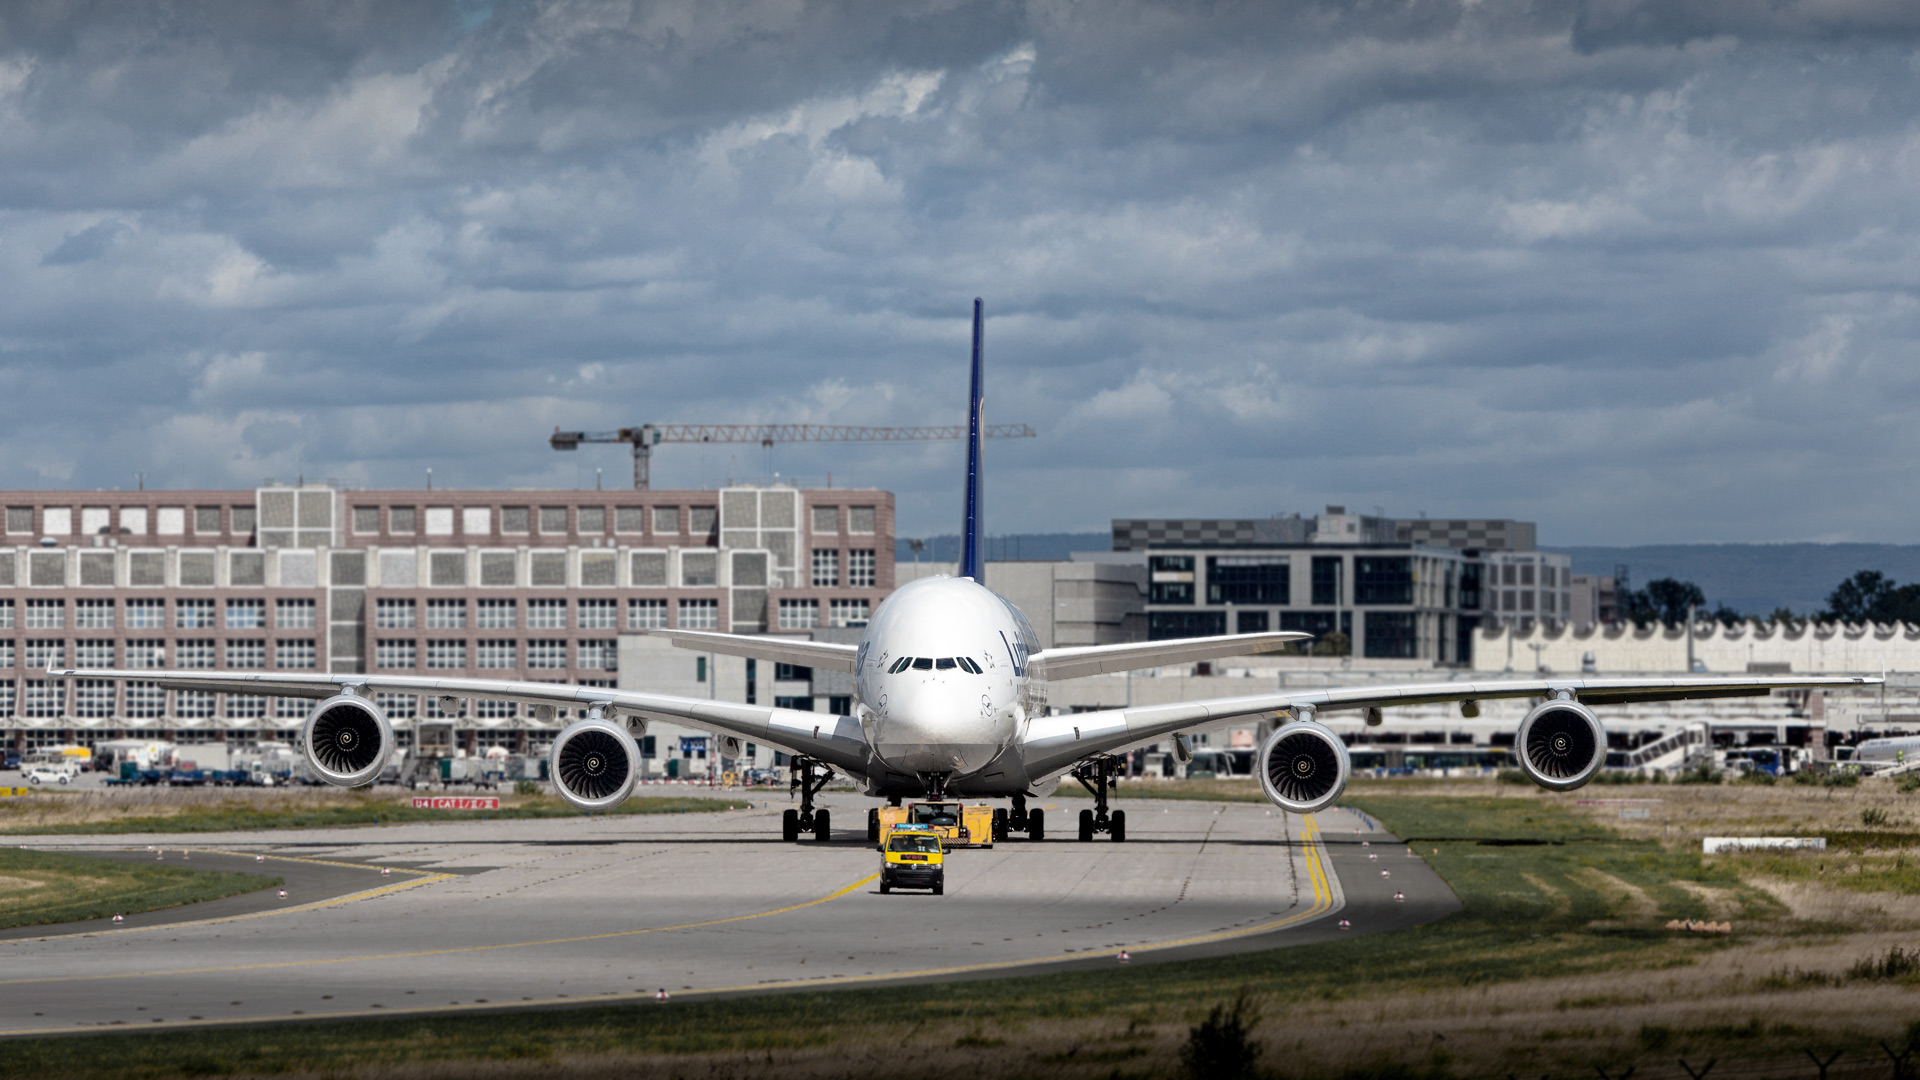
481	915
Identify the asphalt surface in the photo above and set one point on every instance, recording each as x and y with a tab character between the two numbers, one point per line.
484	915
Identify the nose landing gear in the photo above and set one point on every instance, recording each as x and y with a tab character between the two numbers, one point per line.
1020	819
807	776
1100	775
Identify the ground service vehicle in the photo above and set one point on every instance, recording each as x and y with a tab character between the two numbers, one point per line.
37	775
913	858
956	825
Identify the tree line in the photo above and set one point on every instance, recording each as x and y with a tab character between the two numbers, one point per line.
1867	596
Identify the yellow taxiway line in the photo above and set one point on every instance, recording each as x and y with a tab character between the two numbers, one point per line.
1317	875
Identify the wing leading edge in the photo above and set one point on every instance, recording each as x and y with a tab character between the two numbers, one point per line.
1078	661
1054	743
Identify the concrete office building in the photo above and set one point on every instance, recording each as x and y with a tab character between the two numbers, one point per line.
533	585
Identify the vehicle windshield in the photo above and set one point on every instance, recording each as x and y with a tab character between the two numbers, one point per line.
920	842
935	814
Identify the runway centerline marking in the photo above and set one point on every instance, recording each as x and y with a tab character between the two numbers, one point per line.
835	895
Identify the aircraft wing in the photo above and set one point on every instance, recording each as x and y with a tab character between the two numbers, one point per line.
1076	661
836	740
816	654
1054	743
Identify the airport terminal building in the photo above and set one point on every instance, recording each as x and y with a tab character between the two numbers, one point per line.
529	585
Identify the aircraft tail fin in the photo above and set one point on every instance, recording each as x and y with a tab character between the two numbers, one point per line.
972	556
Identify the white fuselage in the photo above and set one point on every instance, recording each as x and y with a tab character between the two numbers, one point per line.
961	696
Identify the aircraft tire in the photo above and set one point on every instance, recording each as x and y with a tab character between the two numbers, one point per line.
873	825
822	826
790	826
1117	826
1036	824
1086	825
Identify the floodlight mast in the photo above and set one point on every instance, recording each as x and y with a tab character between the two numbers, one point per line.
647	436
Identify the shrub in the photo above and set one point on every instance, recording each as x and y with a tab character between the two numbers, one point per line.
1873	817
1511	776
1896	963
1221	1047
526	787
1908	783
1841	779
1755	776
1703	773
1807	778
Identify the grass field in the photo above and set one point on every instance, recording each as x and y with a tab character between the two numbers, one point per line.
41	887
296	808
1559	961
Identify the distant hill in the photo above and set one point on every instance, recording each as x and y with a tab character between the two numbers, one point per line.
1753	578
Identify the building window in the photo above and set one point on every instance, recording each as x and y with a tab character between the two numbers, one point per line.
46	614
495	653
599	654
514	519
395	653
246	614
1326	580
446	614
447	655
146	653
699	569
799	614
193	704
666	519
1250	622
393	614
546	614
1321	625
1171	579
498	614
630	519
145	700
291	708
546	653
193	614
646	614
699	614
366	520
1169	625
826	568
702	519
398	706
293	614
599	615
45	697
1526	575
93	614
1382	580
247	653
6	612
92	698
860	568
1507	575
6	699
592	520
44	653
860	519
802	704
296	653
1526	601
826	520
1248	579
403	519
791	673
6	652
495	710
1390	635
93	653
847	612
246	706
142	614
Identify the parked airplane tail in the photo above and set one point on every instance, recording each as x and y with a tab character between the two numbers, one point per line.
972	557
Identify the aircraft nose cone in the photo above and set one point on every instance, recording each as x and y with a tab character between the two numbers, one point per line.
938	728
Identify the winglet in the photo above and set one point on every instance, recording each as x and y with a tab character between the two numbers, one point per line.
972	558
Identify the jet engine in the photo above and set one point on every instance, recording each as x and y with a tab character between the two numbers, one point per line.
348	740
594	763
1561	745
1303	767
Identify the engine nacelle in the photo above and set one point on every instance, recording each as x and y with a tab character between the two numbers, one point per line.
594	763
1303	767
347	740
1561	745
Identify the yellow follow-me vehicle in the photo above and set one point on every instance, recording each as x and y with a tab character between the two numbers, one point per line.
913	858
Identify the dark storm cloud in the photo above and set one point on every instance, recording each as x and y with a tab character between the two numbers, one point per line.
1640	272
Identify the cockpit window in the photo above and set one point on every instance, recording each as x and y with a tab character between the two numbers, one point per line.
945	663
923	663
967	664
900	665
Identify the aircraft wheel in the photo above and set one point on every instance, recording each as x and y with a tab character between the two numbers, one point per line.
1036	824
1117	826
822	827
1086	825
790	825
873	825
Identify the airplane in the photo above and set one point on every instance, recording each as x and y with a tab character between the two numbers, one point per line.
950	702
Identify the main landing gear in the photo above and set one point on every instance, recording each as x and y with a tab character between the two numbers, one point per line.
1100	775
1020	819
807	777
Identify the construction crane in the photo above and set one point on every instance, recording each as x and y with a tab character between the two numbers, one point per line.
647	436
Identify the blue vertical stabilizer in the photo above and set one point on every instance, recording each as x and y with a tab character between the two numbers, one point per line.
972	556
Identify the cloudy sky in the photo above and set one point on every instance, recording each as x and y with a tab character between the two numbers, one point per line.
1640	275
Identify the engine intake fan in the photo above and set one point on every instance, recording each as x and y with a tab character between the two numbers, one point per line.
594	764
1303	767
347	740
1561	745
